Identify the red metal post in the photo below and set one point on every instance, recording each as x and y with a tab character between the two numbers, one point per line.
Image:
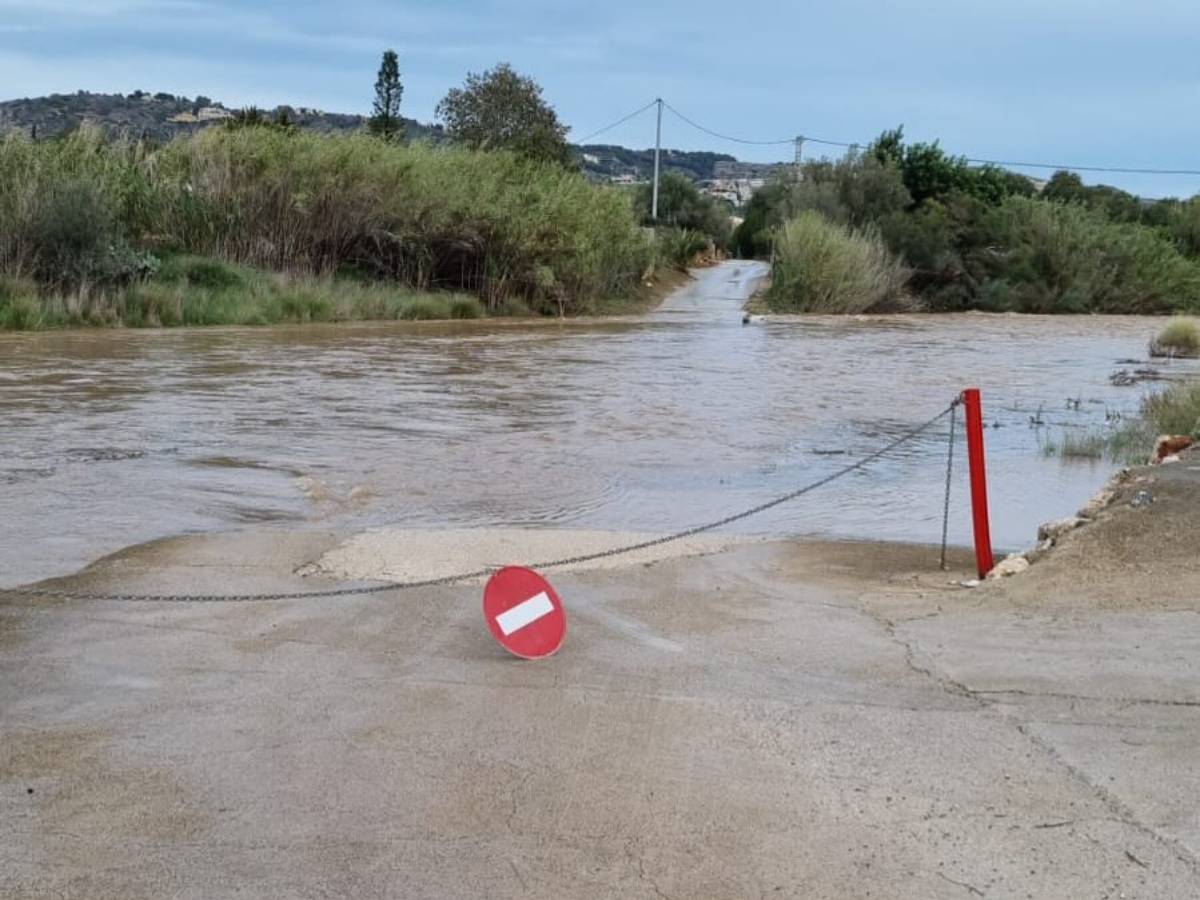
979	507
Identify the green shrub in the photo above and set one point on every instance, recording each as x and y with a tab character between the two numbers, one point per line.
20	313
1058	257
303	304
823	267
1175	410
425	308
486	223
200	272
680	246
1181	337
681	205
464	307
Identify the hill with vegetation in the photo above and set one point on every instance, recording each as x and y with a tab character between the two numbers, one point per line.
161	117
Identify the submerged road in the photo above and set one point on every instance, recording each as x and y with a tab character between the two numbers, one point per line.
655	422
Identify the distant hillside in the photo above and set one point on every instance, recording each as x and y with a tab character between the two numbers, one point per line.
161	117
611	162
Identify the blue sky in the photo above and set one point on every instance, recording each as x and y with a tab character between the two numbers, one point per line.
1058	81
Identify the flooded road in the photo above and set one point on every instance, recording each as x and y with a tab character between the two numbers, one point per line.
651	423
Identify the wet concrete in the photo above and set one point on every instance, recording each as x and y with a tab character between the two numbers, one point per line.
773	720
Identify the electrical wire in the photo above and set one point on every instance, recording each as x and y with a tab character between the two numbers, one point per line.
724	137
621	121
1118	170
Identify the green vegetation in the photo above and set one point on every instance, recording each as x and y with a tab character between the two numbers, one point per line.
1181	337
198	291
385	121
1173	411
501	109
90	227
1078	445
689	222
828	268
681	246
979	238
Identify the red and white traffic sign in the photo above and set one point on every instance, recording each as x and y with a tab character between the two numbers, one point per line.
524	613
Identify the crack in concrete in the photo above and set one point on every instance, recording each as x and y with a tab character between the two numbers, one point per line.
639	862
962	884
1057	695
1123	813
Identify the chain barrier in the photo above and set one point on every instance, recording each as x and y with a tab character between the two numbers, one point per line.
548	564
949	472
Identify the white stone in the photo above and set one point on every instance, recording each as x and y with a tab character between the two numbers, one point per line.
1013	564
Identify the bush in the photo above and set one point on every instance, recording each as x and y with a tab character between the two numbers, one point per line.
680	246
483	222
823	267
20	313
682	206
857	191
1175	410
1055	257
464	307
1181	337
425	308
200	272
487	223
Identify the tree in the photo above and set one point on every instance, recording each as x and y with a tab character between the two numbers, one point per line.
682	205
385	112
502	109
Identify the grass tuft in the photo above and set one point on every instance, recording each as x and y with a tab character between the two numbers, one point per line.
1180	338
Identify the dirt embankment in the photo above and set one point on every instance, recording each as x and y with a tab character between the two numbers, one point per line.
1140	551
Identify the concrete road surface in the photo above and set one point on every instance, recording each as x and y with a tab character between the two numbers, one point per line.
775	720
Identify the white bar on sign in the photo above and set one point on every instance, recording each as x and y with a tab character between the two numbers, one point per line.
524	613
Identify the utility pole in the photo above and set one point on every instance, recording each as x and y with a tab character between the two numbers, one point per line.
799	150
657	151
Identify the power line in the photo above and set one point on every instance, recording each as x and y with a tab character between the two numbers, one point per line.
1116	170
621	121
724	137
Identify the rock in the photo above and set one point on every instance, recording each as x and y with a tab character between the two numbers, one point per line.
1169	445
1141	498
1097	504
1043	547
1013	564
1052	531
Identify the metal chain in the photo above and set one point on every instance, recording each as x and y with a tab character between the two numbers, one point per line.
479	573
949	472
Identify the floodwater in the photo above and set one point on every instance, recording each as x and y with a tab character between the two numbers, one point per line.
649	423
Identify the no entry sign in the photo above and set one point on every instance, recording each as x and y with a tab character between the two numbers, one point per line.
524	613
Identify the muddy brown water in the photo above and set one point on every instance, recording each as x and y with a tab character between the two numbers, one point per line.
648	423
